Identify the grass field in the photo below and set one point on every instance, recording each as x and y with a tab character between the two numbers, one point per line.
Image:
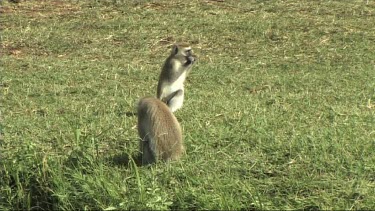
278	112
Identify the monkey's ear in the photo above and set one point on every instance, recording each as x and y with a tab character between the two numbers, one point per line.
174	49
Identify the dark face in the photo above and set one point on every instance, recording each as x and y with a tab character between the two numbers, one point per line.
184	53
190	57
188	52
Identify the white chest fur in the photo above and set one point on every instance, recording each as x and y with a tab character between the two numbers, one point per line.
176	85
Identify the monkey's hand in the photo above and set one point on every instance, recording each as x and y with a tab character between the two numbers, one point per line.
191	59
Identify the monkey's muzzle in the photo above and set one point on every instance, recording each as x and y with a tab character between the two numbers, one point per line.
191	59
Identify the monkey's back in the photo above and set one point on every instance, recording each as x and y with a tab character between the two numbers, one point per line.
160	129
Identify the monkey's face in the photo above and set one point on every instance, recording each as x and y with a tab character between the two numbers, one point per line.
189	56
190	59
184	53
187	52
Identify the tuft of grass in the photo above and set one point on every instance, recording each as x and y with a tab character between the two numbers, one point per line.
279	110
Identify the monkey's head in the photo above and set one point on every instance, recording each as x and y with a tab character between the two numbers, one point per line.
184	51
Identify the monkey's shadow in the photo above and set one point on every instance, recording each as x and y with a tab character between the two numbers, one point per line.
130	113
125	160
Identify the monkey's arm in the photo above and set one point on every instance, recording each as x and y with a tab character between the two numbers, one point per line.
168	98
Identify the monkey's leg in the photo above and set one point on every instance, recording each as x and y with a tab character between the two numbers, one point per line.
148	156
175	100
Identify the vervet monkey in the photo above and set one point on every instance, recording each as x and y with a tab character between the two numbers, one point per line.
173	74
159	130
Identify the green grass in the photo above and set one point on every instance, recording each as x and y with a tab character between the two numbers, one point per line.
279	110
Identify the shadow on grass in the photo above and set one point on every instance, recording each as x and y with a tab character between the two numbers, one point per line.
312	208
125	160
130	114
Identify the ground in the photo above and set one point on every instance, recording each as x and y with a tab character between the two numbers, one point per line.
278	111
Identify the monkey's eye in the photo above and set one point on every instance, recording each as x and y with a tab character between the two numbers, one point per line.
188	52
